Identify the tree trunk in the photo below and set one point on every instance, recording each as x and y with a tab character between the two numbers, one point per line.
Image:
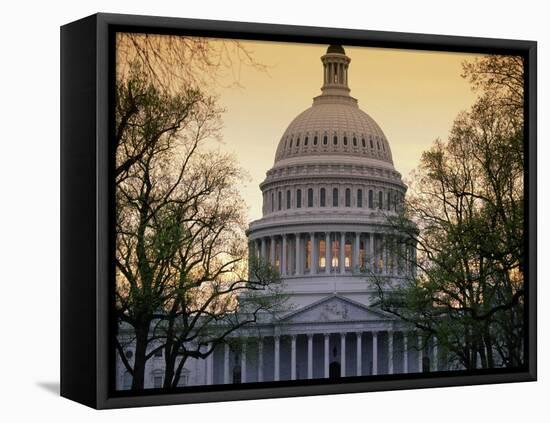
142	335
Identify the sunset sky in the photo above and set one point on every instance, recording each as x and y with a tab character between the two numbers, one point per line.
413	95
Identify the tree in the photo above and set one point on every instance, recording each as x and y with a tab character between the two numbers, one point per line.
464	213
182	277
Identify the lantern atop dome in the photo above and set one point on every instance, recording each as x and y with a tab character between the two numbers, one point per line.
335	71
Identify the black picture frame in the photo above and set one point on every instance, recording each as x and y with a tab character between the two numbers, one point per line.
87	204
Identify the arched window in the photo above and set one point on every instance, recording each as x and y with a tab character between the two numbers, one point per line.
380	199
315	140
354	142
371	199
291	143
378	144
335	140
288	199
306	140
345	140
383	146
298	198
359	198
272	202
348	197
335	197
325	140
363	142
298	142
371	144
322	198
279	203
310	197
388	203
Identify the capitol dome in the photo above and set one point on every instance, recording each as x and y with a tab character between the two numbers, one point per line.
327	198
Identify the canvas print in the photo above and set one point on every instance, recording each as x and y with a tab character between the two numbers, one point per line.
292	213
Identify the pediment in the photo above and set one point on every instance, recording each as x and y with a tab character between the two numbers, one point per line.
334	309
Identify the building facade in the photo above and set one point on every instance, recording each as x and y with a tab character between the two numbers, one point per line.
326	201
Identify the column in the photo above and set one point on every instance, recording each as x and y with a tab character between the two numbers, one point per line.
390	352
375	353
419	353
328	253
276	364
435	357
313	264
309	355
327	335
355	263
226	364
293	357
359	354
298	268
263	249
283	256
261	360
405	353
243	362
342	252
272	251
210	365
343	354
383	253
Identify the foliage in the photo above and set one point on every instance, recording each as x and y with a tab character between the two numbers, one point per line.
465	214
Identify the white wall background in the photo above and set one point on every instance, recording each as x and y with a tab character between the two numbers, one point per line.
29	238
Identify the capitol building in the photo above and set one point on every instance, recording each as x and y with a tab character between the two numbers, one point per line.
326	202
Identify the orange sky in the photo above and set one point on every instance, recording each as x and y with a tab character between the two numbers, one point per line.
413	95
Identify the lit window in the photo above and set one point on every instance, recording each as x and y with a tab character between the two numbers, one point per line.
334	251
322	197
322	254
347	254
